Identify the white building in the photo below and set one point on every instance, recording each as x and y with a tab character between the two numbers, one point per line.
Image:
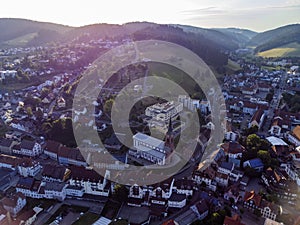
164	111
190	104
149	148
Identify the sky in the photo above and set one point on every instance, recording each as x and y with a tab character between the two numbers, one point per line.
257	15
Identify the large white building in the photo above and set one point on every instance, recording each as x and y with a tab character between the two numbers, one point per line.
150	149
164	111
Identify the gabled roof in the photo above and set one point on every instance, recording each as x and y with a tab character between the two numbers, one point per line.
52	146
81	173
201	207
12	200
26	144
296	132
253	196
54	171
5	142
234	220
233	147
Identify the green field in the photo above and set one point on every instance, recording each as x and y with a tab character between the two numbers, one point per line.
289	50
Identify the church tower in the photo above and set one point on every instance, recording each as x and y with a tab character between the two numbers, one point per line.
169	140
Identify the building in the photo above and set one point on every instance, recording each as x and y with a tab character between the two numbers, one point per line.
29	148
51	149
257	119
226	168
70	156
152	149
294	136
90	180
61	102
55	190
164	111
28	167
256	164
200	209
190	104
56	173
14	203
234	151
177	201
6	146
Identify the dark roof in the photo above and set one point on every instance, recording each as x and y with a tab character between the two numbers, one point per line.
12	200
52	146
5	142
54	186
201	206
54	171
70	153
25	182
227	165
252	196
177	197
26	144
81	173
233	147
256	163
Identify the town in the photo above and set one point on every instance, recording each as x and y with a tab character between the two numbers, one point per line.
253	177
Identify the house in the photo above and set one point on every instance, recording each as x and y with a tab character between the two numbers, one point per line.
269	210
30	148
234	220
61	102
234	151
200	209
205	173
294	136
14	203
51	149
177	201
232	192
75	191
226	167
56	173
279	148
184	186
136	196
90	180
39	189
55	190
257	119
256	164
279	126
28	167
230	133
252	200
70	156
222	179
6	146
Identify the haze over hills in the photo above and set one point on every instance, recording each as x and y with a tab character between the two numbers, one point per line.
21	32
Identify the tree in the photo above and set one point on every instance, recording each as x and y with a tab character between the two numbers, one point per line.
265	157
253	141
29	111
108	105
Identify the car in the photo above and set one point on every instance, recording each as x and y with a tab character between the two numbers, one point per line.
291	203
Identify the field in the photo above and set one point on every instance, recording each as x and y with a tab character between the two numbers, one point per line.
292	49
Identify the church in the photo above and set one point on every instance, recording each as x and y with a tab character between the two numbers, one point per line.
152	149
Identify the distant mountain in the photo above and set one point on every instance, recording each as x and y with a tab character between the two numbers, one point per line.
21	32
239	36
275	38
218	37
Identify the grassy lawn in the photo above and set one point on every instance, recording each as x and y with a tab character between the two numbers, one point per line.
21	41
87	219
292	49
232	67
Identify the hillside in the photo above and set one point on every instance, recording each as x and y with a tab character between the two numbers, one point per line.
289	50
218	37
21	32
239	36
276	38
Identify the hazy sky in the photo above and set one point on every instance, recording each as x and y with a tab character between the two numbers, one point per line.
257	15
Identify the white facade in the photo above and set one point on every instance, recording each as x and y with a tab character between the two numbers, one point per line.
164	111
31	170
